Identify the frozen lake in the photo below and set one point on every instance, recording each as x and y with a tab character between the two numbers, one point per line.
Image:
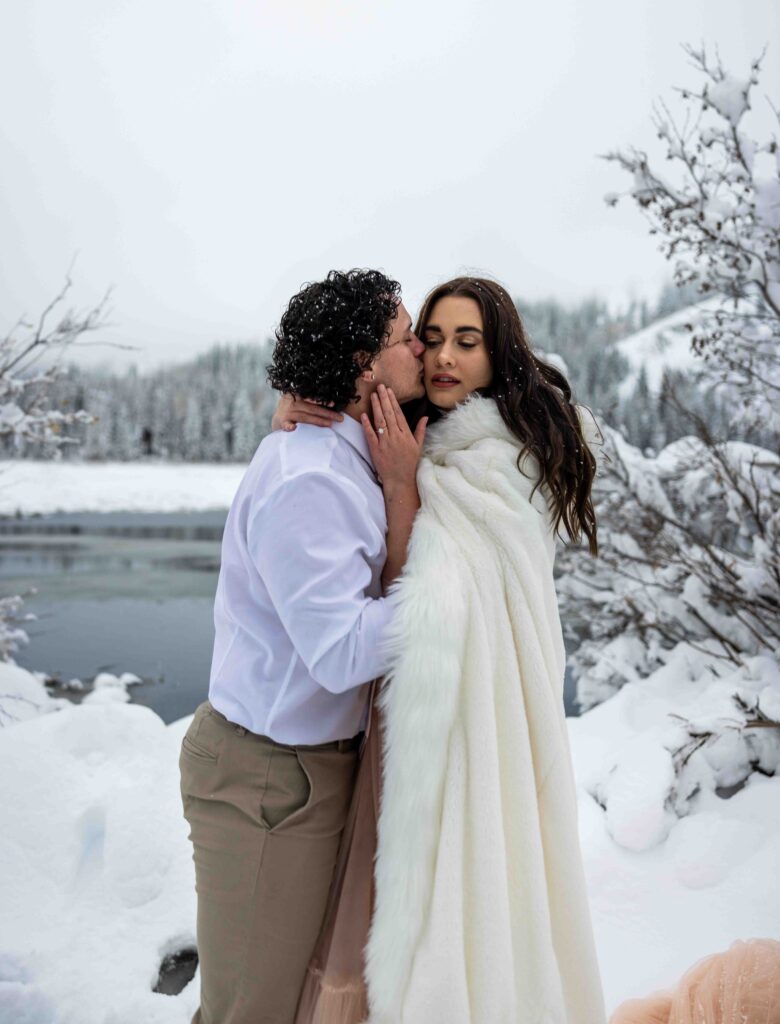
119	592
122	592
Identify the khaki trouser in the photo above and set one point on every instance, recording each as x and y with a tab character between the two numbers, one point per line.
265	823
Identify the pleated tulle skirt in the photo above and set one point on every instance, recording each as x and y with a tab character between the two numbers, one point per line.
334	991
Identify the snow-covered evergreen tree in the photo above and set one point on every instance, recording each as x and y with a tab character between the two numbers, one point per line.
193	429
216	408
242	417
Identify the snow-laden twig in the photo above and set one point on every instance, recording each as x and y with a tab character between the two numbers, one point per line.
717	215
26	412
690	536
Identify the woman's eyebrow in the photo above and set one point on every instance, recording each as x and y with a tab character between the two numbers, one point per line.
458	330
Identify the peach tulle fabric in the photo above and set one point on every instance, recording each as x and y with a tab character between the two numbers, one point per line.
738	986
334	991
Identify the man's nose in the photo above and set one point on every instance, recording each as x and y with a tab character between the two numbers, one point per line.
419	348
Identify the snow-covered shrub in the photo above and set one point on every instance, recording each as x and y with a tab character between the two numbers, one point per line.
30	356
12	633
718	220
689	552
683	739
29	366
690	538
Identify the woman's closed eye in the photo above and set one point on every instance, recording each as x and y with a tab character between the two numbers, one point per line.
431	342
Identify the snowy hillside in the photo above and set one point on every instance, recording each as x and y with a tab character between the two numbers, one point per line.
664	345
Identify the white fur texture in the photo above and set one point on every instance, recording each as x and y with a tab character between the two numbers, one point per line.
481	914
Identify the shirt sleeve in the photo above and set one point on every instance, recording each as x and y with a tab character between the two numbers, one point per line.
309	541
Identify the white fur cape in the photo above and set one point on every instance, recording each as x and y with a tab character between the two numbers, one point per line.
481	913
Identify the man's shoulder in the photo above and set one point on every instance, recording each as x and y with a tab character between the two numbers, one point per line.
287	458
290	473
305	445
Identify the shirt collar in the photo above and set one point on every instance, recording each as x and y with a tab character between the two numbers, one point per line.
353	434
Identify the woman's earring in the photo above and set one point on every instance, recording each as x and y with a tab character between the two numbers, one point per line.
368	375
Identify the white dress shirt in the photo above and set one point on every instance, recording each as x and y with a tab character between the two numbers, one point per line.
298	613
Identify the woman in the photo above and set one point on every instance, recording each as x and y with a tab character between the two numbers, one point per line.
479	911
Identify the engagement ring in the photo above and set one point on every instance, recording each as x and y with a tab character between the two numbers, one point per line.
380	430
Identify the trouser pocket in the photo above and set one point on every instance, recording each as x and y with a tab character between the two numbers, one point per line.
287	790
265	825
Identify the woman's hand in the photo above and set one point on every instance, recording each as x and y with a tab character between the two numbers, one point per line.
394	449
293	409
396	452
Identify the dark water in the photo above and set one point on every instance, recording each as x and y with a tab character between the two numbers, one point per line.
123	592
119	592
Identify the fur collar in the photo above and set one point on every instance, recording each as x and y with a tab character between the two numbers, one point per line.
476	419
474	434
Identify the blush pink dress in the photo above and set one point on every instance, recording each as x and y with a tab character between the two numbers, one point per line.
334	991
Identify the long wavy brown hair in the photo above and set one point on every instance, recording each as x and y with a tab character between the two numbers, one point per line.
534	399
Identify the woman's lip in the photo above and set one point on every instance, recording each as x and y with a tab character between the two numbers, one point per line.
439	382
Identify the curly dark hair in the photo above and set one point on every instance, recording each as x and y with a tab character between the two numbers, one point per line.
535	401
331	332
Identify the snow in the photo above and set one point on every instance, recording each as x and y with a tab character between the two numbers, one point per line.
666	890
730	97
634	794
664	345
28	487
23	696
97	882
111	689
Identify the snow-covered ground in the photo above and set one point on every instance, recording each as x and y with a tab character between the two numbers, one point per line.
28	487
96	877
665	889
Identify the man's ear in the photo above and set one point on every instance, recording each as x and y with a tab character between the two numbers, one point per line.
368	374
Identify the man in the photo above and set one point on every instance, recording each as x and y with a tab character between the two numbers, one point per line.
268	763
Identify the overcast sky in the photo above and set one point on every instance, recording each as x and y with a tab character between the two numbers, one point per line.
206	157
